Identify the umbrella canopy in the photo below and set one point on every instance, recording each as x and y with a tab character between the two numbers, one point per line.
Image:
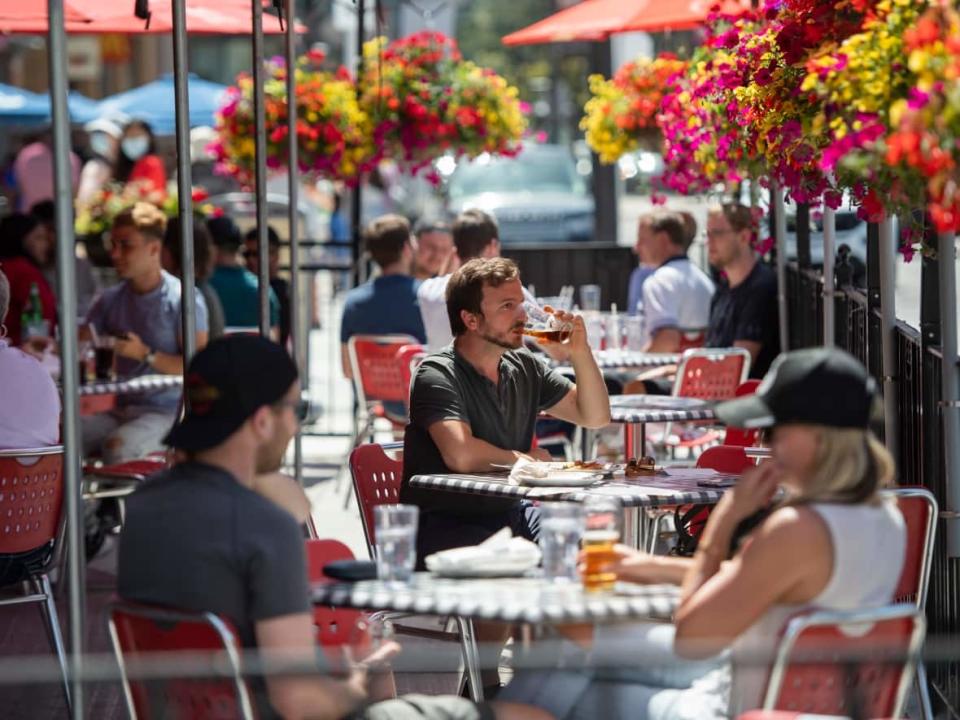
82	108
22	107
598	19
155	103
220	17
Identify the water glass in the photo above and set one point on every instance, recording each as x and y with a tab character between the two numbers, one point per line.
561	528
594	326
603	520
634	333
590	298
396	534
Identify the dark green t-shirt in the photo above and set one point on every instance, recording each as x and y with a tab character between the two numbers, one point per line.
448	387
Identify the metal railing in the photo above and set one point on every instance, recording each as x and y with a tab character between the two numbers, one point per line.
920	435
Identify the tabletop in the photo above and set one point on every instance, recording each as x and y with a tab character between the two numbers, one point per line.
646	491
658	408
131	385
534	600
627	360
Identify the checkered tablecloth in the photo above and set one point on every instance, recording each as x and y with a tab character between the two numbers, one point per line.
647	491
529	600
132	386
658	408
626	360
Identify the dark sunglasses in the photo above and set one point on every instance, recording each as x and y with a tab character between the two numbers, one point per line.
301	408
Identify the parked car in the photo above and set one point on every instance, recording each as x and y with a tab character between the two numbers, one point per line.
537	196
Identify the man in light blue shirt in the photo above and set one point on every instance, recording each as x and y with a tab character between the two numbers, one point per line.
143	314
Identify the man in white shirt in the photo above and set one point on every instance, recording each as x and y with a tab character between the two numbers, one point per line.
475	235
676	297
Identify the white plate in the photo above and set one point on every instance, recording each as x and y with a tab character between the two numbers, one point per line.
561	478
502	568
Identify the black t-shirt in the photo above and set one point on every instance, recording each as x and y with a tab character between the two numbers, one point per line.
195	539
747	312
447	387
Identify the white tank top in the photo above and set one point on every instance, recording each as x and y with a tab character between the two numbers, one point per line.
869	544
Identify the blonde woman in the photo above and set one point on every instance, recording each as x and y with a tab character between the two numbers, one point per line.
831	542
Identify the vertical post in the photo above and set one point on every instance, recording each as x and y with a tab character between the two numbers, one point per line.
188	302
604	176
829	253
888	346
67	292
780	237
297	341
949	383
803	235
260	147
356	214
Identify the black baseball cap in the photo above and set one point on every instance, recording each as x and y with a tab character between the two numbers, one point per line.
817	386
226	382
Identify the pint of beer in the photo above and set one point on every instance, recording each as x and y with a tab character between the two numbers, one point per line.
603	519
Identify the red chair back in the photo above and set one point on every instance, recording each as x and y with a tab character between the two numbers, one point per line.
920	512
335	627
376	481
742	436
711	374
377	376
142	630
832	662
31	498
409	358
725	459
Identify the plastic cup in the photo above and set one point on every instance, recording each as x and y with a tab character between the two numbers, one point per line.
561	529
396	535
590	298
603	520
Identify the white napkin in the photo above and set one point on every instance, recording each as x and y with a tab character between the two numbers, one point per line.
525	469
500	550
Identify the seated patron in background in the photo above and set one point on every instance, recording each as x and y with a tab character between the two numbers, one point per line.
88	286
172	260
388	302
279	285
434	248
237	287
744	309
142	313
474	404
24	247
28	395
676	296
200	537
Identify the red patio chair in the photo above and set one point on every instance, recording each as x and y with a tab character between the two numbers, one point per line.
376	481
142	631
832	662
409	358
742	436
31	524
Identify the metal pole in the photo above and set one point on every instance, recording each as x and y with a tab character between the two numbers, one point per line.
297	341
829	304
188	302
260	162
888	321
780	236
67	292
949	383
356	215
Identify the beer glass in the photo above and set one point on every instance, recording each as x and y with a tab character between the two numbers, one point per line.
604	518
544	326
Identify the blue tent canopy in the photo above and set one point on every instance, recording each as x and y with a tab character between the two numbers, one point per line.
155	103
22	107
82	108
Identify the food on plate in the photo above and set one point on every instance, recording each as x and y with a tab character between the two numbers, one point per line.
644	466
584	465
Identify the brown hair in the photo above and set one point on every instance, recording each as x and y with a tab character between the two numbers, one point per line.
202	246
465	288
689	227
739	216
664	221
385	237
147	218
851	466
473	231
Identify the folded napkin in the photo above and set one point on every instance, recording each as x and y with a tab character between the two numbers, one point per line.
500	550
526	469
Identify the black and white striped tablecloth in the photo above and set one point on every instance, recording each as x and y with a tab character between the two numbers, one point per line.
652	491
626	360
529	600
658	408
141	384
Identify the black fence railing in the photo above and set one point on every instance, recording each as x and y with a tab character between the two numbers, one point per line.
920	436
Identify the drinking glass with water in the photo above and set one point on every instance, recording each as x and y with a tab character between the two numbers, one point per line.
396	533
561	527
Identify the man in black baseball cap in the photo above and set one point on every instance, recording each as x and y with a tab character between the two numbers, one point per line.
817	386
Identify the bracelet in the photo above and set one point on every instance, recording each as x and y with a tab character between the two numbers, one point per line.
150	357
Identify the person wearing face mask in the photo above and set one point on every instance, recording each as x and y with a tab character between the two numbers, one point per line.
137	160
103	139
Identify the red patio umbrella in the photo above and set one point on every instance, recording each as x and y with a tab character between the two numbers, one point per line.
598	19
221	17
